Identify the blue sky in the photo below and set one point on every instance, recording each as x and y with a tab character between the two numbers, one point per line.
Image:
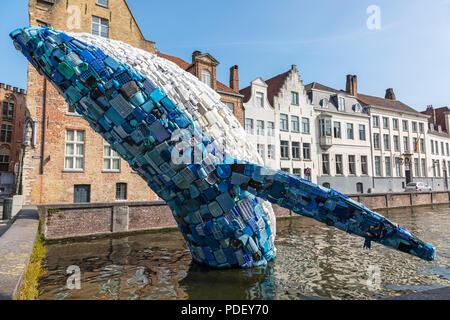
326	39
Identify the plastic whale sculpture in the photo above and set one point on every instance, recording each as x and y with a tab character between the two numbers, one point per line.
190	149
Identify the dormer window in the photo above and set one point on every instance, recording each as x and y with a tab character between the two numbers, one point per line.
357	108
324	103
260	99
206	77
341	104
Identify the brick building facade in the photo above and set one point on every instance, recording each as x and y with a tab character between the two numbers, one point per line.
67	161
12	101
204	66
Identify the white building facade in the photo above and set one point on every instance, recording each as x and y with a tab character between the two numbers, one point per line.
282	107
343	140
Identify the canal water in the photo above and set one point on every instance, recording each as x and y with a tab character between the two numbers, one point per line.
313	261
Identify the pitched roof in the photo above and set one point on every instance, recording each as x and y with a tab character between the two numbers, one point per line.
178	61
246	92
386	103
318	86
274	85
366	99
186	65
440	117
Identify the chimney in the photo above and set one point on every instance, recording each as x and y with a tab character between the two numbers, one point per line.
431	112
195	54
390	95
234	78
351	86
294	68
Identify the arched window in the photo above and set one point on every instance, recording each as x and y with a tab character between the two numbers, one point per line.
206	77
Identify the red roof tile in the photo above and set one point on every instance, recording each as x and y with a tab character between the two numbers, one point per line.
274	85
387	103
246	92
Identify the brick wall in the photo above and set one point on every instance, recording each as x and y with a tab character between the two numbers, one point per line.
16	97
45	180
79	220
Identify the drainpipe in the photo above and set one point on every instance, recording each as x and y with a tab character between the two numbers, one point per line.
372	161
44	112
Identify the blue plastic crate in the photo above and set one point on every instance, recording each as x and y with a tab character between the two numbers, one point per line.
157	95
114	116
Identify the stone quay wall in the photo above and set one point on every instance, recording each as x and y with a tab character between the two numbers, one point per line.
64	221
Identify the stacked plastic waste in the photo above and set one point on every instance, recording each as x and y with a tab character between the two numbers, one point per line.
171	130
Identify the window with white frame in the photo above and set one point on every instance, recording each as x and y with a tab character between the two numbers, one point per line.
305	126
341	104
405	144
206	77
294	98
395	124
326	164
376	121
295	124
350	131
398	170
387	166
74	153
249	126
100	27
351	165
339	168
270	151
405	125
111	159
260	149
260	99
284	149
270	129
260	128
362	132
364	167
396	143
376	140
296	150
121	191
284	124
378	166
306	151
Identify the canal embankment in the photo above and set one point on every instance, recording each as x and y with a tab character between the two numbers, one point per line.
67	221
16	245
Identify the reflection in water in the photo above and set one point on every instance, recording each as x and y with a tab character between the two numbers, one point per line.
313	261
